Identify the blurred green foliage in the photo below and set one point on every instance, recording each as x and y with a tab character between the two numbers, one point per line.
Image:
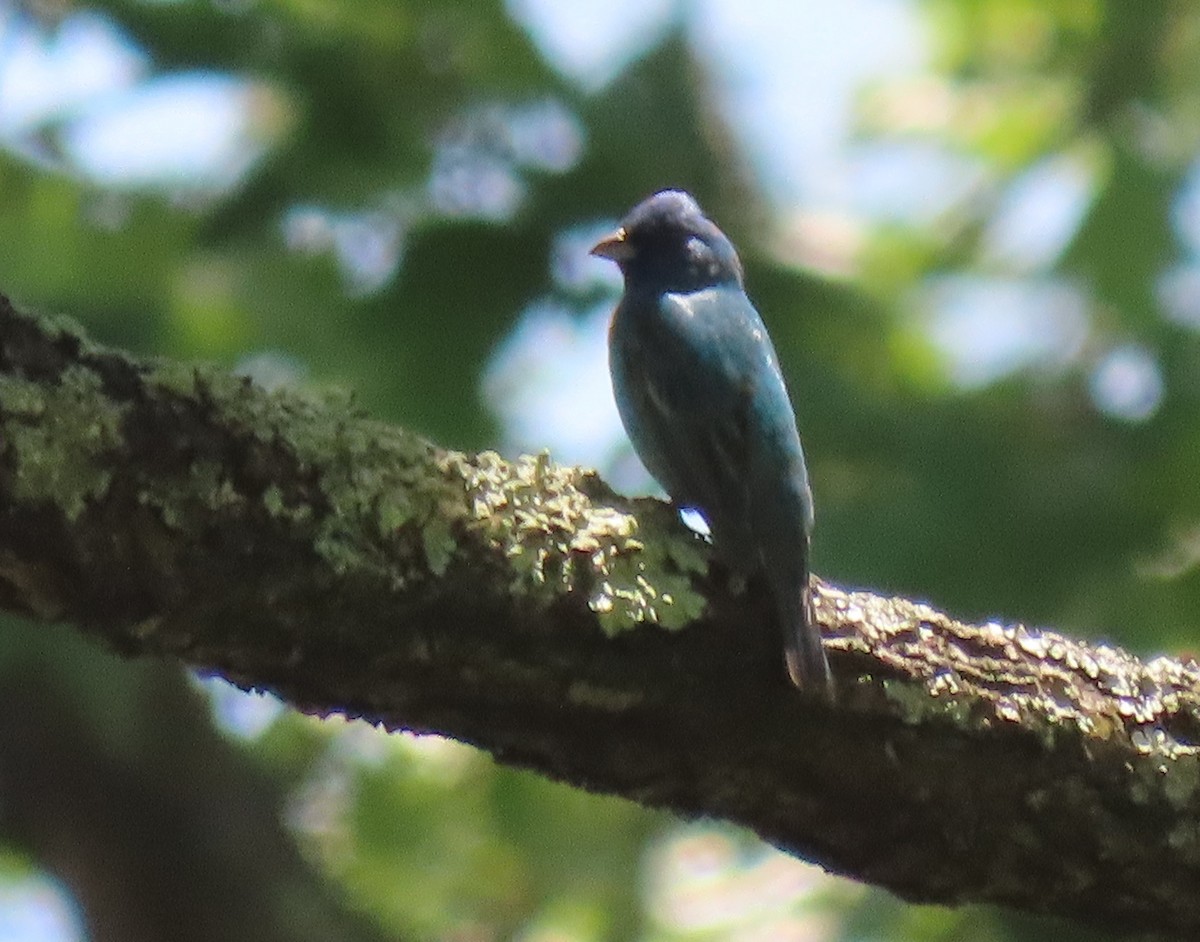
398	135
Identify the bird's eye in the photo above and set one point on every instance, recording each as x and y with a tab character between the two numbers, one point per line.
697	251
700	256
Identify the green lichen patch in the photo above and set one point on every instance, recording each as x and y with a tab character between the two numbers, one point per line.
368	484
175	377
183	505
558	540
375	481
915	706
59	436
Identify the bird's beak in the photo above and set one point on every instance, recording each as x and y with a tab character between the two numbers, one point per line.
615	247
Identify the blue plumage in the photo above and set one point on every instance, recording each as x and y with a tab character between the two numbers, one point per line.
699	389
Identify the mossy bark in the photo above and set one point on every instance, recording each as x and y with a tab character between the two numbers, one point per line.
292	544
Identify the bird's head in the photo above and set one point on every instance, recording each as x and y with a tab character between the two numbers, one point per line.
666	243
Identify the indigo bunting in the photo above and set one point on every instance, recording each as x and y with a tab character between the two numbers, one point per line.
699	390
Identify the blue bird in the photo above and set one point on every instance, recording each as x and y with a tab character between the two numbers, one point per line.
699	390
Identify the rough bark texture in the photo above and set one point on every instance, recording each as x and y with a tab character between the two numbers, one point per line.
291	545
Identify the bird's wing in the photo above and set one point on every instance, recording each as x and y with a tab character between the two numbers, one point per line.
668	424
698	399
758	499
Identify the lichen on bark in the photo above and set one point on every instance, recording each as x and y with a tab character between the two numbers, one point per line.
287	542
54	436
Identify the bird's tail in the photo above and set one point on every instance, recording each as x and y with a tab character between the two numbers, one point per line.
802	646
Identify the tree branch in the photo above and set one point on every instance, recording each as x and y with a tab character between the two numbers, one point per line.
290	544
